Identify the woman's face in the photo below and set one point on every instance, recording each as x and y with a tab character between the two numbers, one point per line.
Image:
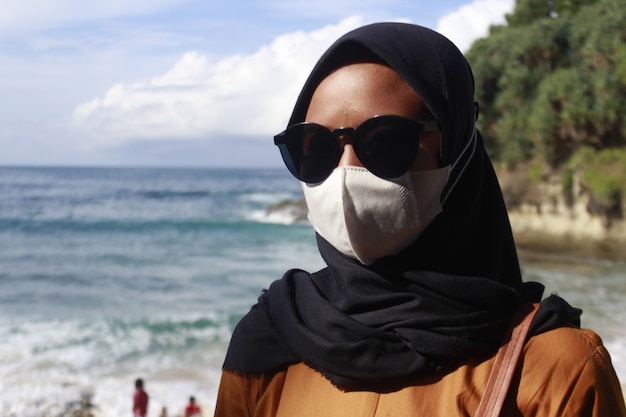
357	92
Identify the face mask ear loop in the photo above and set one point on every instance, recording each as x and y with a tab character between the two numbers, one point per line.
472	143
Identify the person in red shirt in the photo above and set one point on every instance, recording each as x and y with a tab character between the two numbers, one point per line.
140	400
192	408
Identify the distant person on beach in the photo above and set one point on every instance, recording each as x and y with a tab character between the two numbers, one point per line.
140	400
421	310
163	412
192	409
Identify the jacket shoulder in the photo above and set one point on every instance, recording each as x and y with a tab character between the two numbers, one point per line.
570	341
568	372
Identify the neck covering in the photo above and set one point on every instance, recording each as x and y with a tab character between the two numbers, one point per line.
447	297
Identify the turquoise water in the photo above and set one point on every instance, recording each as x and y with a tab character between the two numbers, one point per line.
107	275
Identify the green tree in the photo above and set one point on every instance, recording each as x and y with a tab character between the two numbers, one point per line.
550	85
528	11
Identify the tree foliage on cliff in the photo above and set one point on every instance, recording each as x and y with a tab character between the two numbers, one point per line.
553	81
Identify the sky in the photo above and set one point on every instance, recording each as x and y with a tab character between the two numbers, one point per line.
179	83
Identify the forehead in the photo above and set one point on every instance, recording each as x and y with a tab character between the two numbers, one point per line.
363	90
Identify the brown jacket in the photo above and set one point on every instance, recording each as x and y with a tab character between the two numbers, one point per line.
564	372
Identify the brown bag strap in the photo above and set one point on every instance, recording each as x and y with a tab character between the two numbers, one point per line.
506	361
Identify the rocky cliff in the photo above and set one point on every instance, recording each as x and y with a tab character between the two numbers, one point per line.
545	218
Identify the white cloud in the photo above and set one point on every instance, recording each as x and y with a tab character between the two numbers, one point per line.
37	14
240	95
244	95
472	21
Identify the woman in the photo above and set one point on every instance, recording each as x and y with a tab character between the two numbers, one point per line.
422	276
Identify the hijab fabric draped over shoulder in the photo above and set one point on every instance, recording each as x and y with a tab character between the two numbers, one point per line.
448	296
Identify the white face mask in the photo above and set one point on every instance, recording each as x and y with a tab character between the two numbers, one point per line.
367	217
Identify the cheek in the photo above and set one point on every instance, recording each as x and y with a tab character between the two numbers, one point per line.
428	156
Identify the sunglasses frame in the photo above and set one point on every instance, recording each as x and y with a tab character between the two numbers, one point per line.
360	142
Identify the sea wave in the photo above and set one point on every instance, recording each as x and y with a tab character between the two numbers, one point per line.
286	211
61	226
168	194
49	366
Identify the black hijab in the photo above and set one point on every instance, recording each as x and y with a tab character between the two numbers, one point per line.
447	297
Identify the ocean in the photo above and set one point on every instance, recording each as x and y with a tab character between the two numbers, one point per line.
111	274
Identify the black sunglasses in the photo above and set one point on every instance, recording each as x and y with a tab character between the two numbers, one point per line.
386	145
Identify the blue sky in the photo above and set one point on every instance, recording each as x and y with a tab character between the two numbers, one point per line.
186	83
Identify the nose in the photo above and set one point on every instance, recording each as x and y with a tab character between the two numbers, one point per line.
348	157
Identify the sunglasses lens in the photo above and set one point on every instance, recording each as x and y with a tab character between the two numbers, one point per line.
388	149
386	145
310	152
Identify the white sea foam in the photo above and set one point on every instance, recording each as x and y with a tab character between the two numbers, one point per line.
167	387
617	350
266	198
45	366
285	216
